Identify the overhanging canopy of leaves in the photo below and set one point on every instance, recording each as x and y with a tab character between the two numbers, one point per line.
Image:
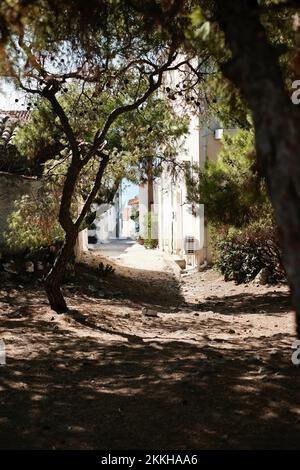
230	188
107	54
153	132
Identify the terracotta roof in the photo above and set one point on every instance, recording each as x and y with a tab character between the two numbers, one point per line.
7	129
134	201
9	122
10	158
20	115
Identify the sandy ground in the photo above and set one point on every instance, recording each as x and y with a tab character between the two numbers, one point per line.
212	370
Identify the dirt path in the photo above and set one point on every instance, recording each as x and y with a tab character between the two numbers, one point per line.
212	371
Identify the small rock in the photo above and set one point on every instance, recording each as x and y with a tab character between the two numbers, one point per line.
174	309
148	312
262	277
29	267
40	266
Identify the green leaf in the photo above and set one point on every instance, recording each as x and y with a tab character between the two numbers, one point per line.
197	17
203	31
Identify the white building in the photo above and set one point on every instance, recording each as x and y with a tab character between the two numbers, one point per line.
108	223
182	226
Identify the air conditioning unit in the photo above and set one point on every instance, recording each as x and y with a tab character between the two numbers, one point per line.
189	244
218	134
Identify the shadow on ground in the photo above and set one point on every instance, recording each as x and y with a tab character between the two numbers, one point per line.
270	303
153	288
80	393
86	385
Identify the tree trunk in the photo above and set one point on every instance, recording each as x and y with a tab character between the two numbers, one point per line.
150	195
150	185
56	275
254	69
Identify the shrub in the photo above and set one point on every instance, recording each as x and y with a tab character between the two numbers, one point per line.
34	222
243	253
150	243
230	188
105	270
235	197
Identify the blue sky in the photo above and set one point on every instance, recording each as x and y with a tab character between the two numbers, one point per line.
130	190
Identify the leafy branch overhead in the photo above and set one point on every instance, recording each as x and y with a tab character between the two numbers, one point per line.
84	83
